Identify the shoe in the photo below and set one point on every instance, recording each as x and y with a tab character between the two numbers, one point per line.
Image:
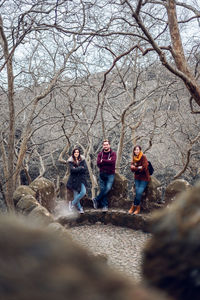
131	210
94	203
137	211
71	207
81	211
105	208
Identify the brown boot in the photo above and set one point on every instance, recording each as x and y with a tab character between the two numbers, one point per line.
137	211
131	210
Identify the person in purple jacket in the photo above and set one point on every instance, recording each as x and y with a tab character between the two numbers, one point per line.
106	160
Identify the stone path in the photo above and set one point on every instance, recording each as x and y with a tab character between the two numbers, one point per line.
122	246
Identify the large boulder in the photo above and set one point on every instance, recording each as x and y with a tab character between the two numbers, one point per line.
118	194
26	204
174	189
21	191
152	197
171	259
40	215
45	192
41	264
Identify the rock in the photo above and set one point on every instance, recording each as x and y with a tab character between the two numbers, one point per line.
151	199
172	257
113	216
174	189
45	192
21	191
118	195
57	228
39	264
26	204
40	215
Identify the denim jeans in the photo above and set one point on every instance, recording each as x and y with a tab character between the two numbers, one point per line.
78	196
140	186
106	182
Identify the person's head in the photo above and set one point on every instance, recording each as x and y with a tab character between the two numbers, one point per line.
76	154
106	145
136	150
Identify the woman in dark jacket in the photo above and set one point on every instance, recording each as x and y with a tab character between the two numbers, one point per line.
139	166
77	179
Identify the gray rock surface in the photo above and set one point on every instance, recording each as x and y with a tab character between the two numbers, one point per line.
174	189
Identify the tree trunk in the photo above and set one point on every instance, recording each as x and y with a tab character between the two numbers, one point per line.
10	78
178	52
120	148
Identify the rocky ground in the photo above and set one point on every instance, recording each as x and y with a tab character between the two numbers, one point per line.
122	246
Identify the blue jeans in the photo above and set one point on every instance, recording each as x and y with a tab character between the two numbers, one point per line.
106	182
140	186
78	196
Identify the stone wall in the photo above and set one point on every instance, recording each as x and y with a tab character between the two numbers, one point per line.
113	216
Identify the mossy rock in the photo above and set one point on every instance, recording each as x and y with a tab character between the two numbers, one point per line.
174	189
21	191
41	215
45	192
26	204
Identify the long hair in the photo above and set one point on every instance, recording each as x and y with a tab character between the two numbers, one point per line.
137	146
79	157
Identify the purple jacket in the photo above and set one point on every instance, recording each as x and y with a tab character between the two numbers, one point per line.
106	162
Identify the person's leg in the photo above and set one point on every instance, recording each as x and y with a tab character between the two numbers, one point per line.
140	186
135	202
137	185
107	187
102	184
79	196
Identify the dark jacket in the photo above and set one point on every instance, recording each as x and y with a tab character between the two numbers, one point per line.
141	174
78	174
106	162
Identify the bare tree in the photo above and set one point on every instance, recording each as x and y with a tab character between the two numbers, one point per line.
176	50
75	72
26	24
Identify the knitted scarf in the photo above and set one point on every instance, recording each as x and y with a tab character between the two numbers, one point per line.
137	158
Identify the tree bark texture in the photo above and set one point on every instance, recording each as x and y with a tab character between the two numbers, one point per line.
178	52
10	80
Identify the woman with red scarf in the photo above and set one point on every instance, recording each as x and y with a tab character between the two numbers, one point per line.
139	165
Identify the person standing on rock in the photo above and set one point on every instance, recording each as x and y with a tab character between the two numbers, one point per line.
77	179
139	165
106	160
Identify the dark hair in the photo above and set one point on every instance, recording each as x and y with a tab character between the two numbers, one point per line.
106	141
137	146
79	157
